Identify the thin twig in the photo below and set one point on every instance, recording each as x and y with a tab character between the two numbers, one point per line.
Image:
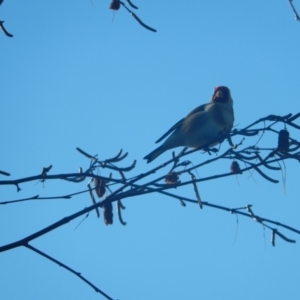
69	269
196	189
4	173
4	30
297	18
137	19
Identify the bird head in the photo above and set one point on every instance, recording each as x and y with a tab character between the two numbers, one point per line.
222	95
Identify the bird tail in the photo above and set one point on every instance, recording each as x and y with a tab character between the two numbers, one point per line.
155	153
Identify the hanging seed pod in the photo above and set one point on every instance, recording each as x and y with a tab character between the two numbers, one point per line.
283	140
171	178
108	213
273	237
235	168
114	5
100	187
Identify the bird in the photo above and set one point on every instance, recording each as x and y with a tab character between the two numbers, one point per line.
205	126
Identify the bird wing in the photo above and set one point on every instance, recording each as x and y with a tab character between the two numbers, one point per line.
179	123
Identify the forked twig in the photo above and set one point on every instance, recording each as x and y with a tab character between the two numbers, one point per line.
115	5
254	157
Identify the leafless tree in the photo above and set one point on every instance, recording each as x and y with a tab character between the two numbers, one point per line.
176	173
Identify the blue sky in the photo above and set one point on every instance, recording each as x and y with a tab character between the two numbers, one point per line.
79	75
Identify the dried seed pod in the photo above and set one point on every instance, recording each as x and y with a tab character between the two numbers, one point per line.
283	140
273	237
100	187
235	168
108	213
171	178
114	5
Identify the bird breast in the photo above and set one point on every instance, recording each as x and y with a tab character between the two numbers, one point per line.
222	114
203	127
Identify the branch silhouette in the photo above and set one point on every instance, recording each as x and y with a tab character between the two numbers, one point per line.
4	29
69	269
116	186
115	5
297	18
2	26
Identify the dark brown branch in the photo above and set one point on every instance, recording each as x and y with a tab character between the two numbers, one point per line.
4	173
294	117
76	179
69	269
93	199
4	30
126	169
142	23
120	206
266	164
117	158
48	177
297	18
137	19
114	197
264	175
284	237
196	189
46	170
86	154
226	154
128	188
131	4
37	197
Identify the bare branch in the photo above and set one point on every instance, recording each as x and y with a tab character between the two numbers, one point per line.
85	154
69	269
136	17
254	157
196	189
4	173
4	30
93	199
297	18
120	206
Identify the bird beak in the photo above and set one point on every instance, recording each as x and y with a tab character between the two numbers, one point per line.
219	94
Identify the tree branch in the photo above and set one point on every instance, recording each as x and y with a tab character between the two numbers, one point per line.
69	269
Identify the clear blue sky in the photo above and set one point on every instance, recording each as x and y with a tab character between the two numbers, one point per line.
79	75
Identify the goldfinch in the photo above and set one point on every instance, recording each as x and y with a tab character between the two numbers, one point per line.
206	123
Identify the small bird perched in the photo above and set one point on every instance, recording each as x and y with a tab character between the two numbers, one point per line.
203	125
